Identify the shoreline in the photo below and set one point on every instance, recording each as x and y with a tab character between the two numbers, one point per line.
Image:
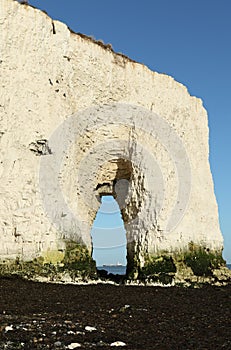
54	316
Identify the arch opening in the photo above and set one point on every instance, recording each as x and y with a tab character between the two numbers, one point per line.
109	238
124	181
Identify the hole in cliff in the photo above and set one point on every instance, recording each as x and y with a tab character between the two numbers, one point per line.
109	239
115	179
53	28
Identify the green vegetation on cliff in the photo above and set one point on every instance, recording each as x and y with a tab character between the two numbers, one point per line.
158	269
76	264
76	261
202	261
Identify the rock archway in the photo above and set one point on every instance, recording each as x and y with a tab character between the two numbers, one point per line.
97	122
117	178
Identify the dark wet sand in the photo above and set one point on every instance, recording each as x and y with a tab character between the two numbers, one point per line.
52	316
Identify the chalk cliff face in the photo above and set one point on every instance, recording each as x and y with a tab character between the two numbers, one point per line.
77	121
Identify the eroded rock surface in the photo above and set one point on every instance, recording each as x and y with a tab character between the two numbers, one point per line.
77	121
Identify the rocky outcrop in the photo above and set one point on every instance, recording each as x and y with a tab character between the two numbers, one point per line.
77	121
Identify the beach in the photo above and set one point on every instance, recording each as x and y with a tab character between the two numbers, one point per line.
37	315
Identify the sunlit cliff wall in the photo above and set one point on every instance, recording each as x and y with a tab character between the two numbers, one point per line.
78	120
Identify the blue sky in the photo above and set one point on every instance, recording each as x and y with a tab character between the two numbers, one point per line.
189	40
108	234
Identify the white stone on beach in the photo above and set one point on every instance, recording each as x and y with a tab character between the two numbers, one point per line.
90	329
74	346
118	343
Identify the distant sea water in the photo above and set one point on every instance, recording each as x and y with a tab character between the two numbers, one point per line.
115	269
229	266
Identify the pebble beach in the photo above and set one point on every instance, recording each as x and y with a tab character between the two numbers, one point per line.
36	315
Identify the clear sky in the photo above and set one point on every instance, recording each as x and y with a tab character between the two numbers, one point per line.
108	234
189	40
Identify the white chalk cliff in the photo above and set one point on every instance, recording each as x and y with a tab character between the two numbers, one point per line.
78	120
